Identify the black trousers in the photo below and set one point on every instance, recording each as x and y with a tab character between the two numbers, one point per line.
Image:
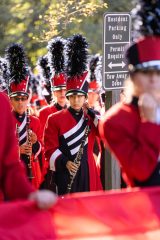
49	182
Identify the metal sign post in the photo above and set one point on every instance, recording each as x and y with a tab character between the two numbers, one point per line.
117	27
116	35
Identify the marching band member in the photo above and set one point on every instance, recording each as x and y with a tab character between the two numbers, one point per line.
96	104
44	73
65	130
52	68
14	184
131	129
36	98
58	79
27	127
95	84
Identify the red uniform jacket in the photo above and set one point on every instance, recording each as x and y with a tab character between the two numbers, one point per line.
43	116
62	138
13	181
45	112
135	143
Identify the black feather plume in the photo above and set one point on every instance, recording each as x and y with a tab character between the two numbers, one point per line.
43	64
44	67
146	17
4	70
77	55
18	66
92	66
4	74
34	82
56	54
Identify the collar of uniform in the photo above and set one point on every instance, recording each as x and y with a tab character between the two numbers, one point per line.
75	114
19	117
59	107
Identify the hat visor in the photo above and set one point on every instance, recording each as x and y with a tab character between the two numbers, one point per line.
91	90
14	94
57	88
145	66
75	92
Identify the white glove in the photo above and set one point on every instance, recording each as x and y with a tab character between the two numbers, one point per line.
44	198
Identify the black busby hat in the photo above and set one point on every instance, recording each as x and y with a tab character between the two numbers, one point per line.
56	48
95	67
18	68
45	76
44	69
34	82
77	54
145	52
4	75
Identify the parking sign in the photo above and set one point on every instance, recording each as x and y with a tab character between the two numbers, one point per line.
117	28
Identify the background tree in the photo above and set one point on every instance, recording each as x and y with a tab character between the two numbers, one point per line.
34	22
120	6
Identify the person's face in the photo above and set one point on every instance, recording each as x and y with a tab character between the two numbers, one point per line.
92	98
77	101
60	96
19	104
147	82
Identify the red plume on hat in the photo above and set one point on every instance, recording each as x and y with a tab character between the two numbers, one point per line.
77	74
145	52
95	67
18	68
57	63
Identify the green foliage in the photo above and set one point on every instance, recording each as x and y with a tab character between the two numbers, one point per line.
34	22
64	12
119	6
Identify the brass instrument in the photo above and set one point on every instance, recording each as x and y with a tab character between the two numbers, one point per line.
77	159
30	172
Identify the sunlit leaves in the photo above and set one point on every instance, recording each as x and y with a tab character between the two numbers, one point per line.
65	12
34	22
